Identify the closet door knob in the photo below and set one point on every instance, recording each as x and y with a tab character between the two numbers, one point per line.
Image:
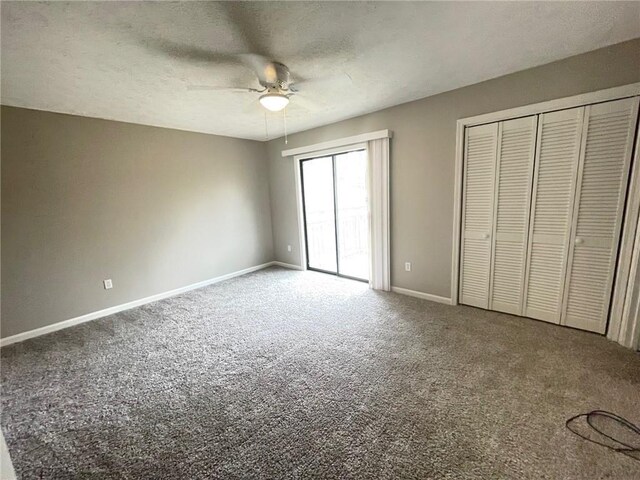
485	236
579	241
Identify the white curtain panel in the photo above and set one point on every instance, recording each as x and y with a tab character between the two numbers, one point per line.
378	163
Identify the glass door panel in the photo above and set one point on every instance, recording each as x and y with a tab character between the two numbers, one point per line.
319	213
352	214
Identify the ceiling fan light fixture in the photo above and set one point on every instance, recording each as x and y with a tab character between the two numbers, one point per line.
274	101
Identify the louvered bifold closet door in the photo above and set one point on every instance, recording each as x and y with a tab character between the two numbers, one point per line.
556	166
603	173
514	171
477	214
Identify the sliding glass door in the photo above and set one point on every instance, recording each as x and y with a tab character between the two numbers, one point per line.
334	193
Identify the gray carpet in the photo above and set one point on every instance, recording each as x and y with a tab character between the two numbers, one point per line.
283	374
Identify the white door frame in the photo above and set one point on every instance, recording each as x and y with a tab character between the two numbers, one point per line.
623	283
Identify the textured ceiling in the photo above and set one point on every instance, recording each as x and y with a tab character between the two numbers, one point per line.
133	61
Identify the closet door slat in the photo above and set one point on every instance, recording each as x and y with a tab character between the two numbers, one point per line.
556	165
477	214
516	149
603	176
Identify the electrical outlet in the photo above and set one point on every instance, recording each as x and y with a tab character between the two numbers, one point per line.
288	248
108	284
407	266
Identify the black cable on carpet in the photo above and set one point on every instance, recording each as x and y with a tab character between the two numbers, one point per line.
608	430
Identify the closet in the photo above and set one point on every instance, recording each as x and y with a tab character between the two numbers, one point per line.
542	208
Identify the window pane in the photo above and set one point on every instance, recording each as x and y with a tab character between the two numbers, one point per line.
317	181
353	216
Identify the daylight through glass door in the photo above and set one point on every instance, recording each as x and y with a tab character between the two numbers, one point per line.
335	204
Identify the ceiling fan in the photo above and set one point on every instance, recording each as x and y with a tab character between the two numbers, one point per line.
274	77
276	82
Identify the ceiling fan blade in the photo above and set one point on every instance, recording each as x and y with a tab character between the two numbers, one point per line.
198	88
262	66
243	18
342	80
240	19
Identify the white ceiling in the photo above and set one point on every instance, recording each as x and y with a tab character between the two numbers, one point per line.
132	61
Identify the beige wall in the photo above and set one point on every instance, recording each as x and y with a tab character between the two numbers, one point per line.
151	208
423	152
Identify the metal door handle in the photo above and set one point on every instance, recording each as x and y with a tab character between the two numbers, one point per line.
579	241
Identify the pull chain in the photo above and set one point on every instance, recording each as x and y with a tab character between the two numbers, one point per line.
284	114
266	127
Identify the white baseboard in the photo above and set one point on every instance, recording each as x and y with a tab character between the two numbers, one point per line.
126	306
287	265
424	296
